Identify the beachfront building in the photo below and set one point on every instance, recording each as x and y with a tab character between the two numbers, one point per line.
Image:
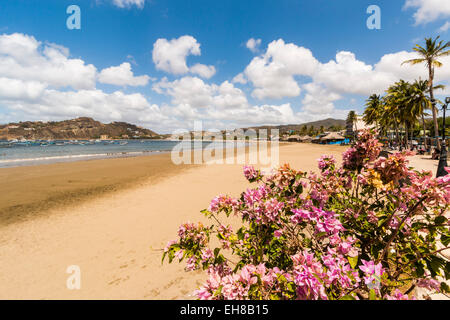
306	138
356	125
333	138
360	124
294	138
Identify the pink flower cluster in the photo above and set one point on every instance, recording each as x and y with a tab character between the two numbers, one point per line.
397	295
313	278
437	191
325	162
223	202
307	272
251	174
365	150
429	284
225	234
237	286
339	272
259	206
323	221
193	232
372	274
394	168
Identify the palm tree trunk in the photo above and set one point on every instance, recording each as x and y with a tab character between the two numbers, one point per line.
424	132
406	135
396	131
433	109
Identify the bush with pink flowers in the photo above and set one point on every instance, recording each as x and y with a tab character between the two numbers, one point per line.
372	228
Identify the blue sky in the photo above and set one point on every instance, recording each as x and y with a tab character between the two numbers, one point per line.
311	59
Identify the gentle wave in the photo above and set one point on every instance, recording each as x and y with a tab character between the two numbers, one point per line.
77	156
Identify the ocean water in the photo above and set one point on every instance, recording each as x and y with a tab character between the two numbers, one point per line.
12	155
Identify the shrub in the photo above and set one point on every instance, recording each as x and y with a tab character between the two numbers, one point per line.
369	229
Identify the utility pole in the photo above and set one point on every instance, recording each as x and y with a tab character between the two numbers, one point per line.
443	156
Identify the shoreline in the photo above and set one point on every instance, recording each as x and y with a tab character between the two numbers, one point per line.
22	162
77	157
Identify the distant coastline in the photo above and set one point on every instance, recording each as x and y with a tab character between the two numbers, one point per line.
82	128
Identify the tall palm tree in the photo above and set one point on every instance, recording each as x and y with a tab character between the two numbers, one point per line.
429	55
421	102
350	122
401	101
389	117
373	110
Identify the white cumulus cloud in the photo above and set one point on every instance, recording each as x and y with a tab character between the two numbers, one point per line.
239	78
22	57
170	56
272	74
318	100
202	70
428	10
122	76
253	44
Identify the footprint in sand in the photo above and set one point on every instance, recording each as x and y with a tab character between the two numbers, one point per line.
154	293
119	280
116	282
171	283
126	264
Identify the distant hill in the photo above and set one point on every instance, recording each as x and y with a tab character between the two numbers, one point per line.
327	123
79	128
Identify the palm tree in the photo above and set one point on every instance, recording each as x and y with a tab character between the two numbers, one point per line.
421	102
351	121
389	117
429	55
400	97
373	110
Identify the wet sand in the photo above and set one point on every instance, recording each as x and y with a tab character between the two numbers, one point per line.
31	191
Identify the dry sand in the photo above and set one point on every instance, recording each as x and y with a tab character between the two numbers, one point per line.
116	237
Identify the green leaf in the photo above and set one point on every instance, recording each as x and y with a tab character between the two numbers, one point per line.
381	220
440	220
353	261
372	295
445	239
436	263
445	288
447	270
432	268
206	212
419	269
321	234
347	297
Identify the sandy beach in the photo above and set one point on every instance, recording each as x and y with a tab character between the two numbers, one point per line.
112	218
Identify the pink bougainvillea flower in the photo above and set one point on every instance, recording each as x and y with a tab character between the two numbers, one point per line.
397	295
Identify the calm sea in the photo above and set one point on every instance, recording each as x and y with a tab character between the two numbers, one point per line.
12	155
